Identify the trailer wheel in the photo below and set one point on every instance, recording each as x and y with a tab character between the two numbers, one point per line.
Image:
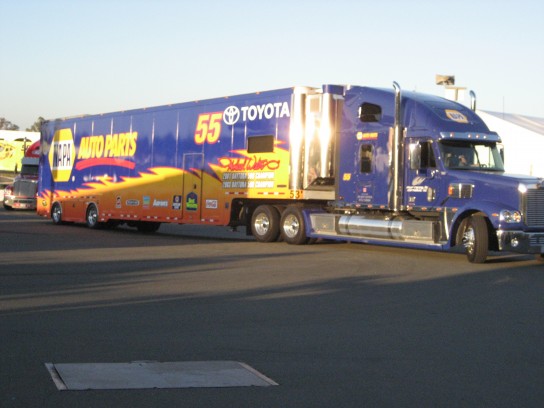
56	214
92	217
292	224
476	239
265	223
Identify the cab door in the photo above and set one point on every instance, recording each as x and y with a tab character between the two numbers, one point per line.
423	179
372	174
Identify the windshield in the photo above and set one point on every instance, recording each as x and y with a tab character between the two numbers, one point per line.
471	155
29	170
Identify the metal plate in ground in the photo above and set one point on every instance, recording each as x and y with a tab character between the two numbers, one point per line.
151	374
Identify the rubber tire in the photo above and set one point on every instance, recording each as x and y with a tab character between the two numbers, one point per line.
7	207
478	249
265	223
148	227
293	227
56	214
91	217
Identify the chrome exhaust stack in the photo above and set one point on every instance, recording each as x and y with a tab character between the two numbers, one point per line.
473	101
397	165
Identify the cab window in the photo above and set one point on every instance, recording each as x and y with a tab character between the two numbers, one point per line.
366	156
427	155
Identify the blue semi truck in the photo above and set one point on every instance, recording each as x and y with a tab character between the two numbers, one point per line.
361	164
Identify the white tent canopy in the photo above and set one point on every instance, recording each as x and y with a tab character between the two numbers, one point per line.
523	139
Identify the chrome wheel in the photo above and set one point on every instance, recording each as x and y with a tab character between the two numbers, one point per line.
92	216
265	223
291	226
476	239
262	224
293	229
468	240
56	213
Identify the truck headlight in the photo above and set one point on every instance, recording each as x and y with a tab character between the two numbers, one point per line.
510	216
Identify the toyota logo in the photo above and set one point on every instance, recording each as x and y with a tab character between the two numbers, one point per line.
231	115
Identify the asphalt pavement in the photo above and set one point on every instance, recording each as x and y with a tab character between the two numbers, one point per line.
333	325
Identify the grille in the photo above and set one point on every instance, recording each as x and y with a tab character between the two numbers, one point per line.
534	208
24	188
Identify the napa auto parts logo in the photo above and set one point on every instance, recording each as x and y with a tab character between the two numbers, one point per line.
233	114
97	150
62	155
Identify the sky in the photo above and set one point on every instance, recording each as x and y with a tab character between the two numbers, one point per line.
61	58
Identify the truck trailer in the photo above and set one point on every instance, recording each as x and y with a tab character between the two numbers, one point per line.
360	164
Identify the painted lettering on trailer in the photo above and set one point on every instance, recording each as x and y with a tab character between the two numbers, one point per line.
232	114
114	145
248	164
208	127
62	156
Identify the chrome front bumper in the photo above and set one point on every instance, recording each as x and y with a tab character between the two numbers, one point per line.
521	242
20	203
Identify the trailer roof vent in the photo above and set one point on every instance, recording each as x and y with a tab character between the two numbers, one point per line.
368	112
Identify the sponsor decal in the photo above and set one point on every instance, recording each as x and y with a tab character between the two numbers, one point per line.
132	203
417	189
418	180
416	186
118	202
176	202
208	126
191	203
146	201
62	155
367	136
456	116
212	204
160	203
233	114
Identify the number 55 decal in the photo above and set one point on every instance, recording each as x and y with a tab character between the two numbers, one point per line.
208	127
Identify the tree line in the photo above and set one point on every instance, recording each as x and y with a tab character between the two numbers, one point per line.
7	125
